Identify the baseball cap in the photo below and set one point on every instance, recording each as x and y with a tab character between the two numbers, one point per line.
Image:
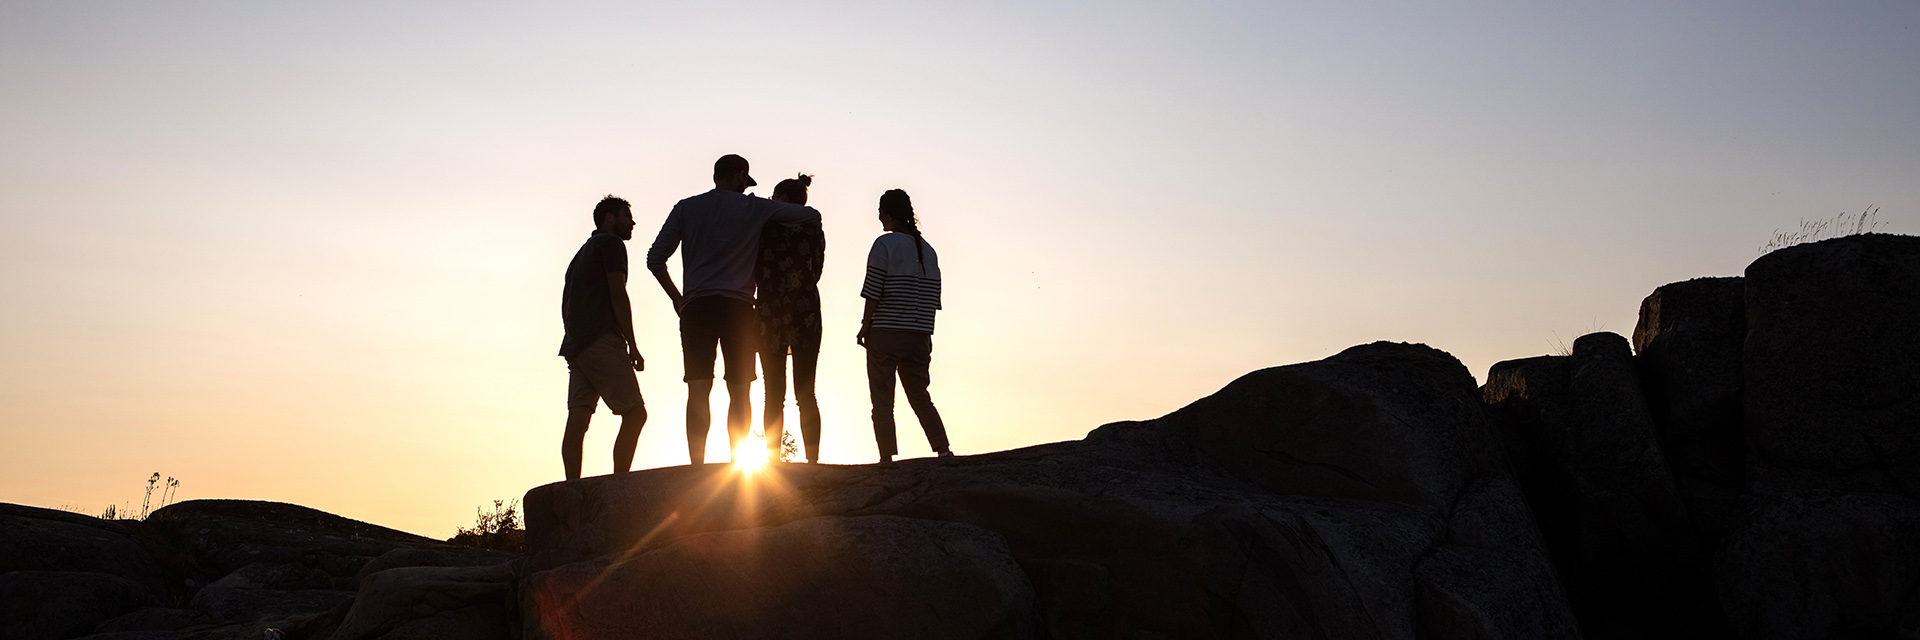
729	164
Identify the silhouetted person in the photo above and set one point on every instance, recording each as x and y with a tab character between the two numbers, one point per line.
721	231
902	291
788	278
599	347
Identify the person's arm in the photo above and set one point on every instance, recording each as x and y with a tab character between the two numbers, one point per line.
873	289
866	322
623	316
663	247
786	212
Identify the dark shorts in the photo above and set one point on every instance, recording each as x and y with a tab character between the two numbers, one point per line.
728	322
603	372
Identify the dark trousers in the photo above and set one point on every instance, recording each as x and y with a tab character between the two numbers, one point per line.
729	323
905	354
806	363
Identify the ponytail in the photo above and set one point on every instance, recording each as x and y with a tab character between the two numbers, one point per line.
898	206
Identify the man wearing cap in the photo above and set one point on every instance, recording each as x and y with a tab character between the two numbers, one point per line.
720	230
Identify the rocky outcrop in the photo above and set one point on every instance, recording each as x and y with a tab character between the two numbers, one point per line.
203	569
1824	565
1688	345
472	603
1600	488
269	590
51	605
830	577
34	539
1832	366
1376	505
1750	472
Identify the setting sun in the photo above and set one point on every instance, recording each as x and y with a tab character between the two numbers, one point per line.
751	455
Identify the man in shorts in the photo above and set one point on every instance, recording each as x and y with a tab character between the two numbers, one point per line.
599	347
721	232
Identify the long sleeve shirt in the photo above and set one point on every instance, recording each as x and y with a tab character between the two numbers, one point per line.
721	233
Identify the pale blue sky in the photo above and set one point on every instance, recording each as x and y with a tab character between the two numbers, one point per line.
312	251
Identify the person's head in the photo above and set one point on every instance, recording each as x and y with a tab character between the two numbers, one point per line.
793	190
730	174
896	212
613	215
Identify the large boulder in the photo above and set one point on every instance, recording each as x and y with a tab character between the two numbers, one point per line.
470	603
1832	366
222	536
55	605
1382	421
1688	345
156	619
873	577
450	556
35	539
265	590
1823	565
1593	469
1375	505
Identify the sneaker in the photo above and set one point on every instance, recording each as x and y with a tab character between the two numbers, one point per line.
946	454
886	460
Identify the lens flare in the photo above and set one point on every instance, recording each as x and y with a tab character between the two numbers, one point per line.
751	455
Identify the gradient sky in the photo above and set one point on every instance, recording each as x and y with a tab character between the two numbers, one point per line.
312	252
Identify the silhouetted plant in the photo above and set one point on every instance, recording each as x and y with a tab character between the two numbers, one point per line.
789	448
110	513
1842	225
499	530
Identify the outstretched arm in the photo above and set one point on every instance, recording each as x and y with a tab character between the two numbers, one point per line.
623	317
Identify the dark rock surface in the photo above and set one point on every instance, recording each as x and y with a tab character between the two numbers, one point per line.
221	536
269	590
1688	345
51	605
1823	565
1832	365
1592	468
35	539
832	577
1159	528
1751	473
157	619
474	603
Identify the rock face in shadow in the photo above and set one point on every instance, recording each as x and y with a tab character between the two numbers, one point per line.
1374	504
1600	488
51	605
1832	366
204	569
34	539
1824	565
1688	345
471	603
829	577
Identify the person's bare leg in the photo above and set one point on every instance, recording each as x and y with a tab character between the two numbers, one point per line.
573	439
628	439
739	413
699	419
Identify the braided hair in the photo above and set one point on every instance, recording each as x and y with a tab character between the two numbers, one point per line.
896	205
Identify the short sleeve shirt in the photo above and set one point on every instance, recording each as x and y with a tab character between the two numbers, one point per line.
586	305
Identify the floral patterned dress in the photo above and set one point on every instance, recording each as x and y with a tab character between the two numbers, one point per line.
787	275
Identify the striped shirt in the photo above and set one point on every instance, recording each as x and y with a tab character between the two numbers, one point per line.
906	290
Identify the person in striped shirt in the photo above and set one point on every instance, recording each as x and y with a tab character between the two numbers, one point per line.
902	290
